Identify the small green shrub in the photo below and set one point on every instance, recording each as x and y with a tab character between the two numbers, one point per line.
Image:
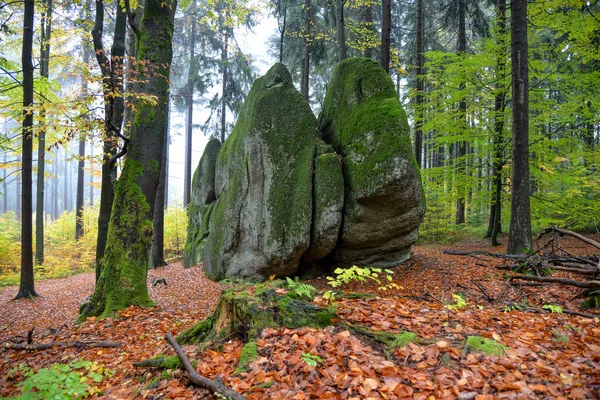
358	274
63	381
301	289
311	359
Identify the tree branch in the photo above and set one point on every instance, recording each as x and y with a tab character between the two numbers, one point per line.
216	386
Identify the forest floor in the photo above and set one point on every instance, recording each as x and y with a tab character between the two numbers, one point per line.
549	355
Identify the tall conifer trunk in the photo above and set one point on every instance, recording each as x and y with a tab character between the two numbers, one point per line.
340	24
304	77
187	183
461	146
519	236
420	28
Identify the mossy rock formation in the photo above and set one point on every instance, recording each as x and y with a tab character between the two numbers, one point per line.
364	122
288	201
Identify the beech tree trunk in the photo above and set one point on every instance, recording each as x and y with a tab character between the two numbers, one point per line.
79	229
386	33
157	251
225	71
123	278
368	18
519	236
26	288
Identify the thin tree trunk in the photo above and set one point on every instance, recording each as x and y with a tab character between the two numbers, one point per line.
281	29
79	229
168	144
113	92
304	79
419	100
386	32
91	179
224	94
190	113
340	29
26	288
495	226
46	27
369	26
55	186
519	236
4	185
157	251
18	193
462	115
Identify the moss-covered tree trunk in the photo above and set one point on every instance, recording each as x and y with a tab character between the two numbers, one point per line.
124	273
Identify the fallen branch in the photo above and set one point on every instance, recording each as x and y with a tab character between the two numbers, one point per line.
485	253
575	235
571	282
216	386
44	346
568	312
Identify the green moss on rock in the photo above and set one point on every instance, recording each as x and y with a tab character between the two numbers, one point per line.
486	346
201	204
364	121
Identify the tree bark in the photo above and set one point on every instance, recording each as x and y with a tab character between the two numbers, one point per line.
157	251
368	18
123	279
495	226
340	29
187	183
386	32
91	178
282	27
462	114
26	288
55	186
305	75
419	100
519	236
79	229
113	92
46	29
225	70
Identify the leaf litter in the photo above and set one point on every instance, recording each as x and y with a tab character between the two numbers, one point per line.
549	355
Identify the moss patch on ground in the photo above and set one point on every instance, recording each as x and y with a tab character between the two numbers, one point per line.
487	346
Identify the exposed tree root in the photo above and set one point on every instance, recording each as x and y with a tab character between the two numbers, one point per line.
564	281
216	386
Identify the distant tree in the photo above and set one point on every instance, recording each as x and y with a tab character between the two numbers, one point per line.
26	288
386	32
419	100
340	24
519	236
46	31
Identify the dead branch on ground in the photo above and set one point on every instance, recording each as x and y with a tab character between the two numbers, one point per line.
45	346
216	385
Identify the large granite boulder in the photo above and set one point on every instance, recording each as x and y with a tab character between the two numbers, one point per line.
261	221
277	199
384	204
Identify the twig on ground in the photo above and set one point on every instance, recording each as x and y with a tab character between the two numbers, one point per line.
216	386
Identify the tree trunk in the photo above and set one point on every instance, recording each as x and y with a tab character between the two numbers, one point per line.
340	29
190	113
224	94
91	178
55	186
495	226
304	79
4	185
419	100
369	26
79	229
519	236
386	33
66	181
26	288
157	251
281	27
462	115
123	279
46	28
113	91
